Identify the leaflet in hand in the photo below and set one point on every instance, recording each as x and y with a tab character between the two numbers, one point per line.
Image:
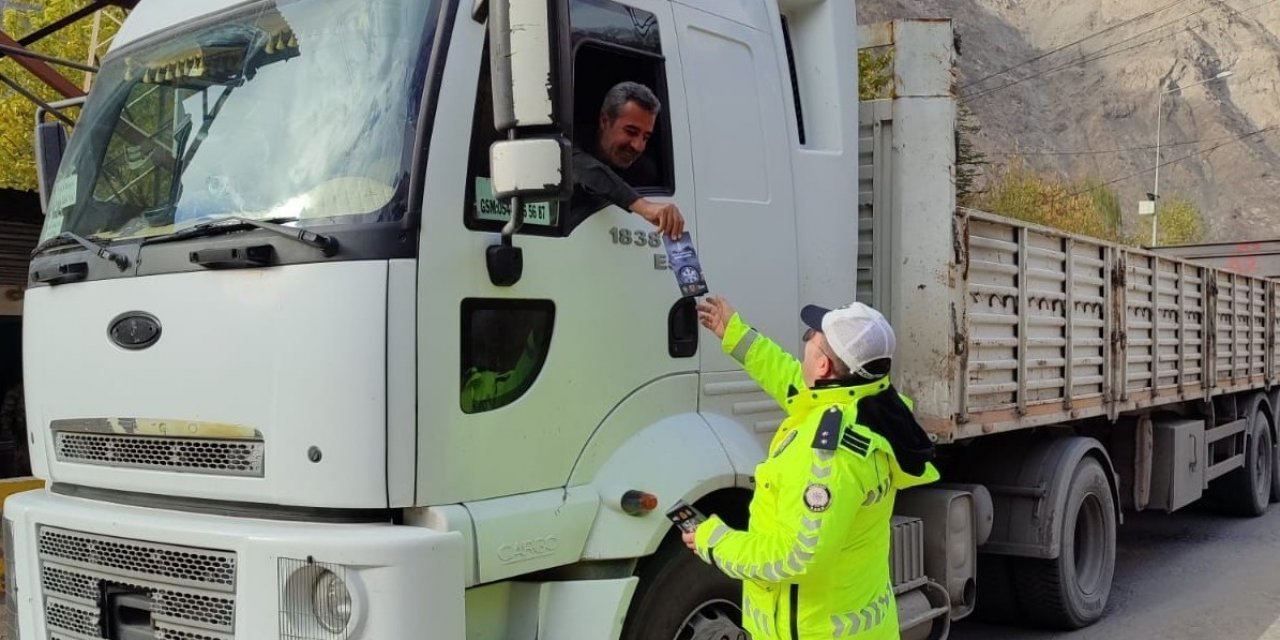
684	263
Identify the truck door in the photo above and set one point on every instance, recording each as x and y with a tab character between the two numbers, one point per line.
513	381
746	224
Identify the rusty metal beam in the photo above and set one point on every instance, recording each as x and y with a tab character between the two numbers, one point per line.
27	53
43	71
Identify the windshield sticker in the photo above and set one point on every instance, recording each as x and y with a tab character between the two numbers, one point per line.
488	207
64	193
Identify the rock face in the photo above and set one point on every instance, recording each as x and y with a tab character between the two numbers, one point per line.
1097	99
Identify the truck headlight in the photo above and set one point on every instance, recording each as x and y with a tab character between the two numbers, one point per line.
331	601
319	600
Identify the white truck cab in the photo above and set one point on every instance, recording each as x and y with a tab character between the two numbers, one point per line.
292	371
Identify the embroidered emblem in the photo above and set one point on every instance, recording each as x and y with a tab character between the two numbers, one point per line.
785	441
817	497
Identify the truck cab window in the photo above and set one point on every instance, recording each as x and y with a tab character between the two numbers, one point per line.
616	159
504	345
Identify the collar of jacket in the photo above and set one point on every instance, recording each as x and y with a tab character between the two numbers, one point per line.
801	401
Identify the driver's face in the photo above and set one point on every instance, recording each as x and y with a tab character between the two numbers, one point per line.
624	138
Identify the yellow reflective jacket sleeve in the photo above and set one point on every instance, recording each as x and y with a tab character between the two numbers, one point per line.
775	370
806	534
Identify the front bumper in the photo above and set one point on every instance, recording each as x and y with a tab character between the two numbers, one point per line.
403	580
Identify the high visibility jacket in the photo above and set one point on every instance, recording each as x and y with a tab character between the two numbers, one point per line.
815	560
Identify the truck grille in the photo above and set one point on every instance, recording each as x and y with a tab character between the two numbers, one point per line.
191	590
191	455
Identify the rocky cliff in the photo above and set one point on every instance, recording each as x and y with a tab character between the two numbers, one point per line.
1073	88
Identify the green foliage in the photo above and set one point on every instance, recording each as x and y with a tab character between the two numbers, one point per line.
875	74
1178	221
1087	207
1019	192
1107	202
17	114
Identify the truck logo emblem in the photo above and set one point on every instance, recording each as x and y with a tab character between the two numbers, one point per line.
528	549
134	330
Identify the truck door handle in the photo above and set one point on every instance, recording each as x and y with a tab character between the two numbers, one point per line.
682	328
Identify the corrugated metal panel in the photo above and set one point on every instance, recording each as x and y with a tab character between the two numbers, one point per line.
1165	326
906	550
17	239
1038	310
875	139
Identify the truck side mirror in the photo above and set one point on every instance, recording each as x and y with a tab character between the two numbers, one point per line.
51	144
529	65
532	98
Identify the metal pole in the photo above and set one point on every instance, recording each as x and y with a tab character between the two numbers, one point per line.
1155	190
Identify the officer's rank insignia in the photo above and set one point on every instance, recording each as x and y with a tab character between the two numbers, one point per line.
785	441
817	497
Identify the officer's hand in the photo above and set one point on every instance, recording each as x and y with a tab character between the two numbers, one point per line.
665	216
714	314
688	540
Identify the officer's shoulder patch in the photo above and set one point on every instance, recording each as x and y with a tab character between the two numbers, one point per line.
855	442
828	434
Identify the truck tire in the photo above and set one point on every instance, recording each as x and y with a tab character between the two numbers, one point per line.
1247	491
1275	476
680	597
1071	591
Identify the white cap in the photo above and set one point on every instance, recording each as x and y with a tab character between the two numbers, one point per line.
857	334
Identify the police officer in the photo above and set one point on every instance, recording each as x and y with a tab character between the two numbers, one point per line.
815	560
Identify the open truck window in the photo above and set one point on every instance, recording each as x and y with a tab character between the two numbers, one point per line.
611	43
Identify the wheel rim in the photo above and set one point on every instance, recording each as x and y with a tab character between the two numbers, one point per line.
712	620
1262	467
1090	545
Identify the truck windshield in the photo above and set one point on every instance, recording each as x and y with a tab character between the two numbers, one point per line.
286	110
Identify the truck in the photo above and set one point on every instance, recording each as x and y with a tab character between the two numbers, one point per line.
317	346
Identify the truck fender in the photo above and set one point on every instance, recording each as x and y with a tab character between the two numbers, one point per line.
1029	492
677	458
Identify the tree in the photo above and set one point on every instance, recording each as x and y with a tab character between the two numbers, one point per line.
1107	202
1019	192
17	114
1178	221
875	74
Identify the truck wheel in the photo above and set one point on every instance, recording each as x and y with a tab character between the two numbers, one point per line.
1247	491
1275	473
682	598
1070	591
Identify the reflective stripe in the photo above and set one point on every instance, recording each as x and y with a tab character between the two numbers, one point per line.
870	617
771	572
717	535
820	472
845	625
740	350
795	563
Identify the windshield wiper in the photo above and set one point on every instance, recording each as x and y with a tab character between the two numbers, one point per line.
66	237
328	245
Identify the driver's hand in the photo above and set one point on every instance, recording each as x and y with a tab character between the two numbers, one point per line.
665	216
